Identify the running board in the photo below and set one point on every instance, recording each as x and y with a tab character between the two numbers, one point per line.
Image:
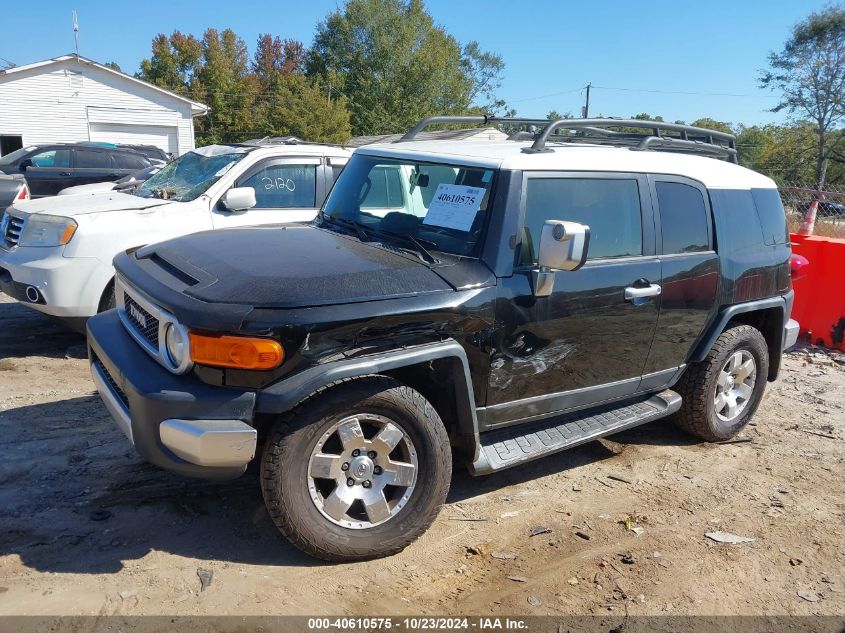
522	443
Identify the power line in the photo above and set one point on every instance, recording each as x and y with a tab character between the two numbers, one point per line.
552	94
685	92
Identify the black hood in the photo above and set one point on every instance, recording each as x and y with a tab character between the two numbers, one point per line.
295	266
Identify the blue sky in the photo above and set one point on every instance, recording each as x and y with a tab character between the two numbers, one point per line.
639	56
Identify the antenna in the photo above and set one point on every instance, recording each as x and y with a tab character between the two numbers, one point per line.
76	35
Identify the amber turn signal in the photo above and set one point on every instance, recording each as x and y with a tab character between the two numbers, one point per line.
236	351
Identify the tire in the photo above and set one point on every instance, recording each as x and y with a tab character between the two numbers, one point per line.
698	386
108	300
300	504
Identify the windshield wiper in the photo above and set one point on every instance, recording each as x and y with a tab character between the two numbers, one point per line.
352	224
419	244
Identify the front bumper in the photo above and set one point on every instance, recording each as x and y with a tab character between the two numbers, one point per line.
175	421
62	282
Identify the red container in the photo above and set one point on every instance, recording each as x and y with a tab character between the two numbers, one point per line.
820	294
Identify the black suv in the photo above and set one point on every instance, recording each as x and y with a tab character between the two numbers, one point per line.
493	301
50	168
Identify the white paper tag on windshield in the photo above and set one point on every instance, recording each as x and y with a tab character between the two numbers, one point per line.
454	206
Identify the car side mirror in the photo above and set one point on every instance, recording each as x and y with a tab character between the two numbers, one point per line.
563	246
25	164
238	199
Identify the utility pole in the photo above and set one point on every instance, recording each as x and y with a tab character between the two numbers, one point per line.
76	35
587	102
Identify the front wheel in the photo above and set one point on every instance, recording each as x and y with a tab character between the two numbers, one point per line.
722	392
357	472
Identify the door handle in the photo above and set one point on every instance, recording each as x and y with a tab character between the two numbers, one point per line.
64	173
632	293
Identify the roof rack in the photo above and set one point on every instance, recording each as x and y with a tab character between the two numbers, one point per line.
686	138
275	140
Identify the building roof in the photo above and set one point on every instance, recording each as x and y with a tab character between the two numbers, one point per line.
477	133
711	172
197	108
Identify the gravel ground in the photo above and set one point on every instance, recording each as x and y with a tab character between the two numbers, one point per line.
88	528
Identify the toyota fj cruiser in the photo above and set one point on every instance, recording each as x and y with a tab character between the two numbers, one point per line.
495	301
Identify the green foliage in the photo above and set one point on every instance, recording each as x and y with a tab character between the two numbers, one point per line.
224	83
267	95
299	108
395	66
113	66
713	124
809	73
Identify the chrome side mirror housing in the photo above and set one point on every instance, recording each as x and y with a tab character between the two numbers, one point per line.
563	246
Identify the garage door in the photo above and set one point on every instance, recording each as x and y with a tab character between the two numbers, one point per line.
160	136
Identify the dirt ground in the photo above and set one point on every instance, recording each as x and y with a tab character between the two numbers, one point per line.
87	528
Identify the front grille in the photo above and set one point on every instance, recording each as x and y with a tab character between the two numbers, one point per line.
145	323
13	227
112	384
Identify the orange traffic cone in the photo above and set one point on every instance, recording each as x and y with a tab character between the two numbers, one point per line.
808	224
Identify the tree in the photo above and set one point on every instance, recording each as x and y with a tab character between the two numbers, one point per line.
713	124
788	154
223	81
645	116
810	74
275	57
395	66
173	63
751	142
113	66
298	107
485	72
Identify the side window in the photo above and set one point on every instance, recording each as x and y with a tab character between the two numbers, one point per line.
383	189
683	218
52	158
772	216
129	161
610	207
89	159
284	186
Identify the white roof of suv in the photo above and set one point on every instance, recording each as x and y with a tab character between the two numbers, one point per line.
711	172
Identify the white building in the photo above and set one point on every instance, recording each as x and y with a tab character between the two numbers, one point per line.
71	99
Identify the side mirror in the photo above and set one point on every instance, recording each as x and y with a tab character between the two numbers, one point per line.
563	246
238	199
25	164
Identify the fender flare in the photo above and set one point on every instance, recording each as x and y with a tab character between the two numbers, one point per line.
284	395
783	303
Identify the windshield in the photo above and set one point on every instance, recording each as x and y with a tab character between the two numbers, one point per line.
440	206
189	176
12	157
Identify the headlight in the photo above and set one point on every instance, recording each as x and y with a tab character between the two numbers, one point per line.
176	344
47	230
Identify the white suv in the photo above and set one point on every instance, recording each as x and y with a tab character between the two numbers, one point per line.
56	253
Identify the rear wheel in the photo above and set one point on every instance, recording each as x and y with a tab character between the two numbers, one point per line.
721	393
357	472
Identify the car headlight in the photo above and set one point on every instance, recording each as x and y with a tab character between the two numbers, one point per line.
176	344
47	230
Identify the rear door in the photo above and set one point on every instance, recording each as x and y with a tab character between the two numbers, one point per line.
588	341
93	164
50	171
286	190
690	270
128	163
